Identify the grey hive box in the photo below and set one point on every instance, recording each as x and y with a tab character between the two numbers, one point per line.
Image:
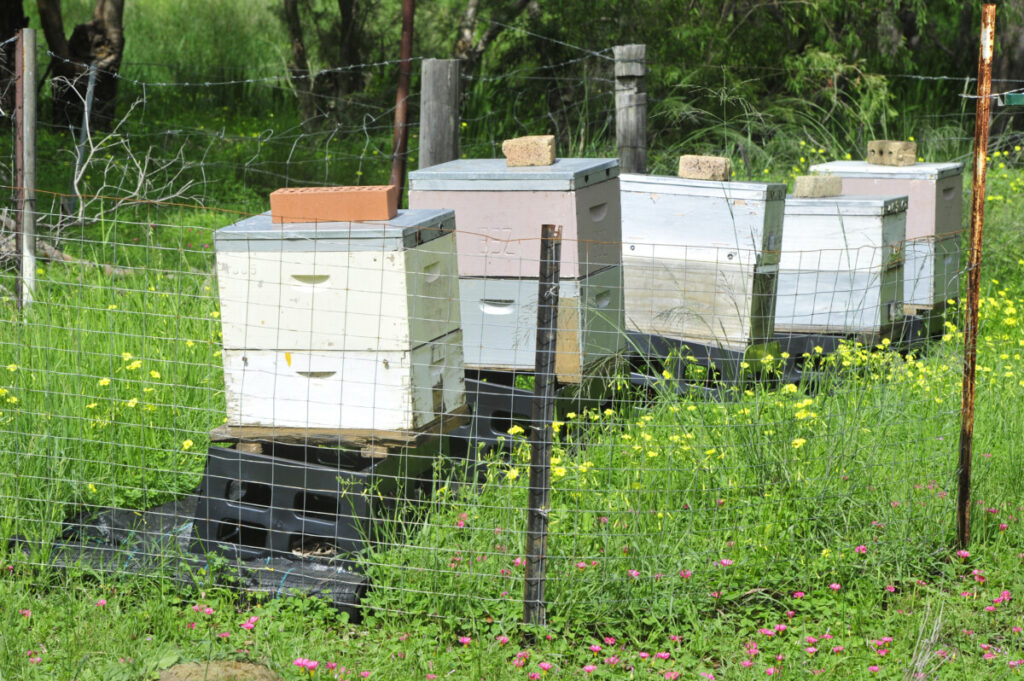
499	212
700	258
500	323
841	267
934	225
340	325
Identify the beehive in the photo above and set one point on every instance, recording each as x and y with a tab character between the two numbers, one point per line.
700	258
499	211
342	325
841	267
934	223
500	322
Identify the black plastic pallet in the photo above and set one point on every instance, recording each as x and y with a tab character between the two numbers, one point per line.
296	500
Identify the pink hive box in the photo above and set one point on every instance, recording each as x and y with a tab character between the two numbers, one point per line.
935	191
499	212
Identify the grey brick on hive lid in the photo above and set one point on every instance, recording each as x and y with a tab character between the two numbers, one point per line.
718	168
892	153
817	186
533	150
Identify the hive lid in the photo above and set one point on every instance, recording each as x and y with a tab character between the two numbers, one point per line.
408	229
846	205
492	174
678	186
918	171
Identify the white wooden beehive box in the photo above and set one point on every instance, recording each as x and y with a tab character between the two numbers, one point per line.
341	325
700	258
384	390
499	212
338	285
500	323
841	267
934	222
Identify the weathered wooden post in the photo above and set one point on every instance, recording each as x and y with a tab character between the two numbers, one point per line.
439	111
25	163
545	382
631	107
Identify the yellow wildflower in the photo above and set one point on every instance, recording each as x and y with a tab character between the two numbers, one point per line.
512	473
799	442
154	374
134	365
516	430
103	381
187	444
126	356
12	367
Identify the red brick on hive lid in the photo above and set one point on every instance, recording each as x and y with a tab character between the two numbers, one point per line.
334	204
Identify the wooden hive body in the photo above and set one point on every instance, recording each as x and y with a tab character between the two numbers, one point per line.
499	212
700	258
500	322
841	267
348	326
934	224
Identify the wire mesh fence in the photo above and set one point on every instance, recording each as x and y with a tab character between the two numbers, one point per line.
751	388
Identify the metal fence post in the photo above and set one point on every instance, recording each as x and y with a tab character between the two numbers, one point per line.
534	610
631	107
981	124
25	164
439	111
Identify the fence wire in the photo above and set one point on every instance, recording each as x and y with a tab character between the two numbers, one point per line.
746	395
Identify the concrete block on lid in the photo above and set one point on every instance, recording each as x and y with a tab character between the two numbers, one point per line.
817	186
892	153
716	168
333	204
533	150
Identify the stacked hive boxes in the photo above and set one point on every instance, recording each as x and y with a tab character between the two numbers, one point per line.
499	211
700	259
841	269
934	219
341	325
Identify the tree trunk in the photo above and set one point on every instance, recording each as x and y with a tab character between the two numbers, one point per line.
99	41
12	19
299	68
470	52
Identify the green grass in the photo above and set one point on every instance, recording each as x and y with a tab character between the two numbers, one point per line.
111	383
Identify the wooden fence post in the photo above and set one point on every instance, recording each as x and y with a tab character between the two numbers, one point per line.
25	163
631	107
439	111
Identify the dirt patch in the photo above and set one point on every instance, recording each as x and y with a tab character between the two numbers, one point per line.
222	670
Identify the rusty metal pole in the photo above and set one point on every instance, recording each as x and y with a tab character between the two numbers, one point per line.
981	125
534	608
401	136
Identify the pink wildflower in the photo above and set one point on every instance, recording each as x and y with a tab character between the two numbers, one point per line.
589	668
798	594
726	562
502	639
861	549
546	666
465	640
634	573
835	586
873	668
685	574
101	602
663	655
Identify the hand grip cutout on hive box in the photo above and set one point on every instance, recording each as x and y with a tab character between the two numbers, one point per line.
311	279
316	374
599	212
497	306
